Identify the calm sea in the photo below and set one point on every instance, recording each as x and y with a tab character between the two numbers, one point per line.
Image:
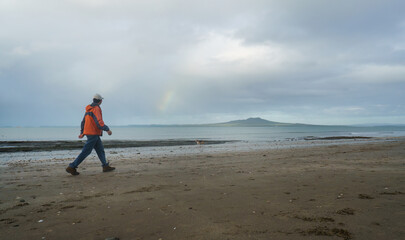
213	133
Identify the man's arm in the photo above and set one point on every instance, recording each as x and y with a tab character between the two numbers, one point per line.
82	127
99	121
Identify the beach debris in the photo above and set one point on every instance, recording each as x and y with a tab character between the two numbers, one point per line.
112	238
40	221
22	200
199	142
340	196
174	228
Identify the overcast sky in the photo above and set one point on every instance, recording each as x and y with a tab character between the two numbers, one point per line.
172	61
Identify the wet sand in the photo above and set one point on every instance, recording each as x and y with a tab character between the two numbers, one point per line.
354	191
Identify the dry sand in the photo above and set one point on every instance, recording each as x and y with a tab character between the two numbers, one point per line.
328	192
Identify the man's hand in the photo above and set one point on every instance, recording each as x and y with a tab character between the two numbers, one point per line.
81	135
109	132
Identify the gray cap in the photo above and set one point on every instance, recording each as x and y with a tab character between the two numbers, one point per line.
98	97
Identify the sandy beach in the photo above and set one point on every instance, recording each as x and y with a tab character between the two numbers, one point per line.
345	191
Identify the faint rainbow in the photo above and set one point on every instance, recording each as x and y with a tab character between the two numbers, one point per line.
166	100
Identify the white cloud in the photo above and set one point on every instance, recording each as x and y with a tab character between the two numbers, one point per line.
222	55
373	73
349	110
20	51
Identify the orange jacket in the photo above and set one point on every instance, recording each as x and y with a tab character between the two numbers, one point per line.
93	123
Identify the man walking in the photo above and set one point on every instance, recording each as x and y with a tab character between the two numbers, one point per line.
92	126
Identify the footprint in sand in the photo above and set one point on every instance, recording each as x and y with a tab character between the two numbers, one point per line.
66	207
150	188
315	219
346	211
325	231
392	193
8	220
365	196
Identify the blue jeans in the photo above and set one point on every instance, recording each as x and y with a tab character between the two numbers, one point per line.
93	141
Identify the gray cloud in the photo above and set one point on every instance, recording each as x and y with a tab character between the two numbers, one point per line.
187	61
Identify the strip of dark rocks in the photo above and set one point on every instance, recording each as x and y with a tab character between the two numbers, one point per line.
336	138
36	146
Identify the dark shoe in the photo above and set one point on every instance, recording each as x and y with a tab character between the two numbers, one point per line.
72	171
108	168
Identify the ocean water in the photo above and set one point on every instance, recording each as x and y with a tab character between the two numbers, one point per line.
251	134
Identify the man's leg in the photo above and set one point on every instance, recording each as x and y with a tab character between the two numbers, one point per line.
100	151
101	155
88	147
